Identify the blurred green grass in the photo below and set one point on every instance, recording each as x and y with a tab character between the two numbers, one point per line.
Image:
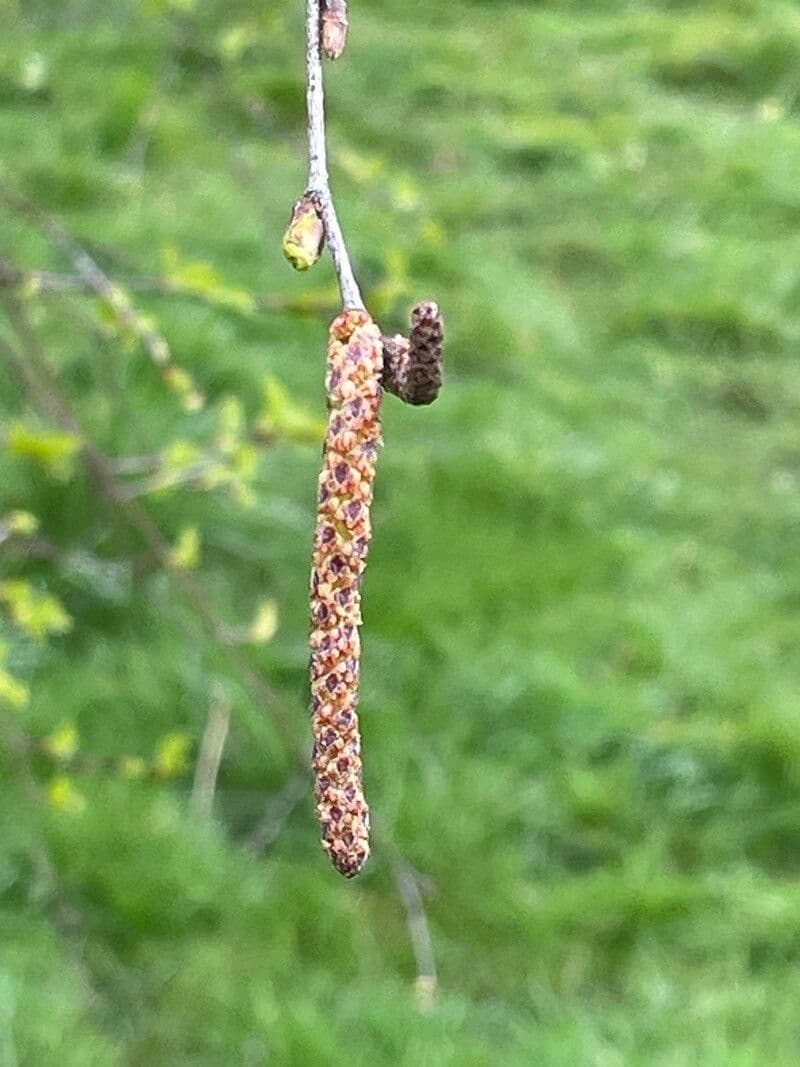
581	643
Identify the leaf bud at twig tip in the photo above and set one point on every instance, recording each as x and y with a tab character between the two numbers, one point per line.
334	27
305	237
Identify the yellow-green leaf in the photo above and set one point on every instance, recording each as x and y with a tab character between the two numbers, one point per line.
201	279
38	614
282	416
14	694
18	524
231	423
183	385
265	623
52	450
132	767
63	796
171	757
62	744
186	550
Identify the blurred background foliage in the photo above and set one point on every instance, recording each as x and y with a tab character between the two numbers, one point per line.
582	638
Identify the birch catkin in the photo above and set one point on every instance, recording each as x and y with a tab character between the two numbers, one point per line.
341	543
412	366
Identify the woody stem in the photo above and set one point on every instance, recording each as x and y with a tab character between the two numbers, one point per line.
318	180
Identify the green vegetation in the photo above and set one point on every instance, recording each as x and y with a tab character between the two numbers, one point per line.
582	639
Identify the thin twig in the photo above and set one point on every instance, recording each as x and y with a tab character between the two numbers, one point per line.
161	480
47	282
280	807
318	179
210	755
93	275
418	930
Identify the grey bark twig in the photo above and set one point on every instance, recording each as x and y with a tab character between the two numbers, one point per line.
319	188
210	755
93	275
48	282
280	807
419	932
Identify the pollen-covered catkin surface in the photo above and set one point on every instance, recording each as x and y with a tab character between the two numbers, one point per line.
341	543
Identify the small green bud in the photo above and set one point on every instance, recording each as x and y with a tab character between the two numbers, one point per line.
304	239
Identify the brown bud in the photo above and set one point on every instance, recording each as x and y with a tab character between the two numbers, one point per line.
305	237
334	27
413	366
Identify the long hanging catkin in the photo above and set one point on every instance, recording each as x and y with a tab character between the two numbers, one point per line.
341	543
